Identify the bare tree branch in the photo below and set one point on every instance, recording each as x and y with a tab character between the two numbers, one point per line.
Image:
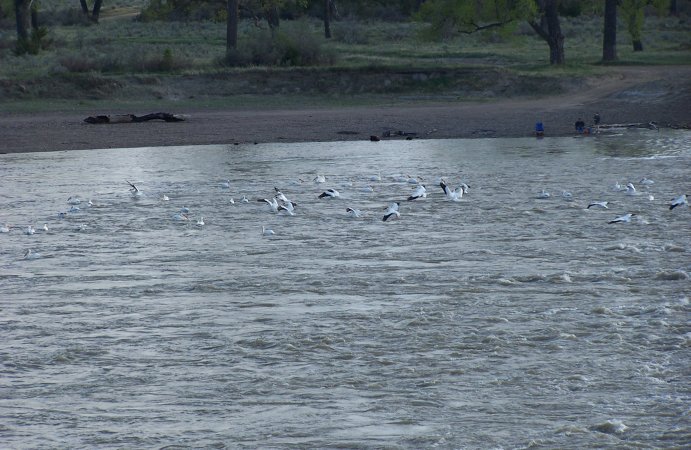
483	27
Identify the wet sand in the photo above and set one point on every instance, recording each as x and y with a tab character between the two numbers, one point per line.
635	95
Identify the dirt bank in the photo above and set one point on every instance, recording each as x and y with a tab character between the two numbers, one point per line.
628	95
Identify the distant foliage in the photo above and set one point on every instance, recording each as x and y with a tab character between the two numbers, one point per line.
179	10
38	40
149	62
258	48
351	32
66	17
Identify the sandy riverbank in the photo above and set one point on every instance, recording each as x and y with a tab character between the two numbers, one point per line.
635	95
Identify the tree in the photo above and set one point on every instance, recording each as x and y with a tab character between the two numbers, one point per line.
470	16
609	41
673	8
549	29
633	13
327	19
232	26
96	11
23	19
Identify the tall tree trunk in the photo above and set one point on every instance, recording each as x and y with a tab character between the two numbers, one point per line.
673	8
85	7
34	16
327	19
609	42
549	29
556	38
273	18
232	26
637	46
97	10
21	13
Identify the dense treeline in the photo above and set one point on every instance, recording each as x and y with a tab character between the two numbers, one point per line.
445	19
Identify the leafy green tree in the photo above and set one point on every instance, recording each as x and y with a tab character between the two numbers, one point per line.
633	14
470	16
30	37
270	10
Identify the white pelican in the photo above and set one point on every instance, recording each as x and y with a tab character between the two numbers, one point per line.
200	221
320	179
599	205
419	192
245	199
566	195
134	190
630	189
353	212
452	194
232	201
267	231
272	204
646	181
225	184
29	254
330	193
623	219
5	228
392	211
287	208
543	195
165	198
681	200
74	200
280	196
29	230
45	227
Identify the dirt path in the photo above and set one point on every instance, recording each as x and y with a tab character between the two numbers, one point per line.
628	95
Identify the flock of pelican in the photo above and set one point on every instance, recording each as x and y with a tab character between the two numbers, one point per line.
279	203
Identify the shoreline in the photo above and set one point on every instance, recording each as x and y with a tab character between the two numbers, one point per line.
640	95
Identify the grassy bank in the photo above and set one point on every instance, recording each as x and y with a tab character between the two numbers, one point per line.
124	63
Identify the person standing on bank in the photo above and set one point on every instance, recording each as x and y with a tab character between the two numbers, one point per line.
580	126
539	129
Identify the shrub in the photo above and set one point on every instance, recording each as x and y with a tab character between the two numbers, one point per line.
135	61
298	48
350	32
66	17
37	41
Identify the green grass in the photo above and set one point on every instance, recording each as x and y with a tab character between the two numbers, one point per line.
122	47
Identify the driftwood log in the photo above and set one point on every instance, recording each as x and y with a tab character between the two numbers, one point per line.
649	125
131	118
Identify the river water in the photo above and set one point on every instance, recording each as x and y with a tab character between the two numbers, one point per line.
499	321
